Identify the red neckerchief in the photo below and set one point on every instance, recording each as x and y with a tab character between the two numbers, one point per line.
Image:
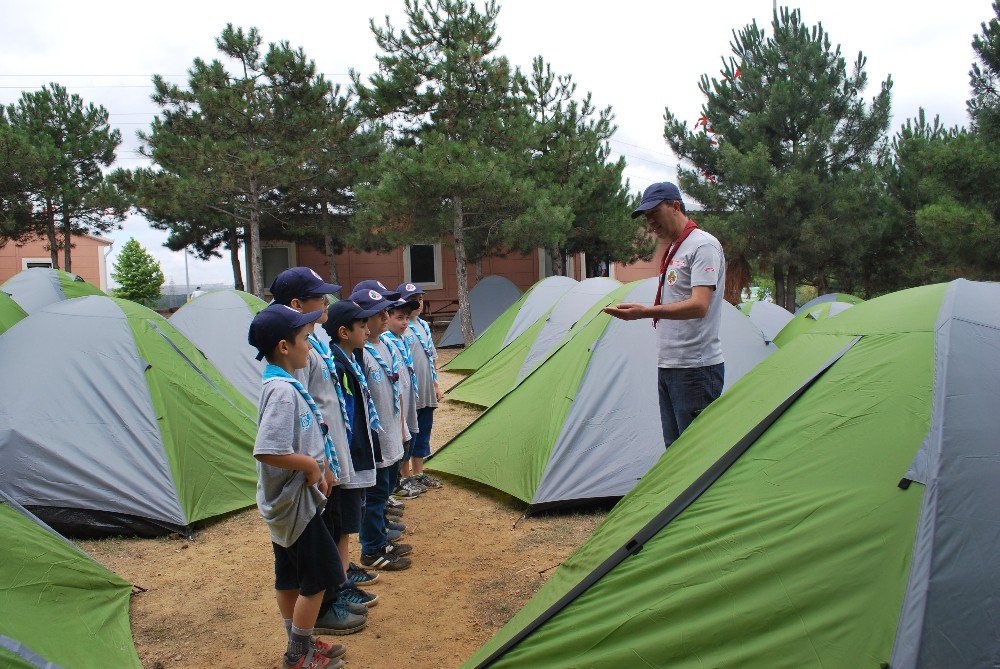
668	255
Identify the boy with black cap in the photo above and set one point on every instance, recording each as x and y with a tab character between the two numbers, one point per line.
302	289
381	368
395	339
296	464
428	391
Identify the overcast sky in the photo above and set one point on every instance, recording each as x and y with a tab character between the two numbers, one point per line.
636	56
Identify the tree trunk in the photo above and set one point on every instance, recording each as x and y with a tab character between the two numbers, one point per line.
331	257
779	285
50	232
462	270
256	254
822	286
234	258
558	261
791	280
67	240
479	270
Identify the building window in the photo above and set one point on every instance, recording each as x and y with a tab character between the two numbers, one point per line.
422	266
29	263
277	257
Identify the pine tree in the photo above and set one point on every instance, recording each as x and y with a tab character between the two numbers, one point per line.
460	139
782	134
137	274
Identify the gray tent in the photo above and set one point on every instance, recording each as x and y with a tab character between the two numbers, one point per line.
39	286
111	422
489	298
540	300
217	323
846	298
767	316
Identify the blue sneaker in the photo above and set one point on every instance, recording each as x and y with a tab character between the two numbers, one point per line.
356	595
393	535
394	525
338	621
359	576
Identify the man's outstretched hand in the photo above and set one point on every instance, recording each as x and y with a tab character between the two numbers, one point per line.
628	311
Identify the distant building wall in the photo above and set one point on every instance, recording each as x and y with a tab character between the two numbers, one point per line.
87	256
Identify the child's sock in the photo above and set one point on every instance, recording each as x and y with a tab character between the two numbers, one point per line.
298	643
288	627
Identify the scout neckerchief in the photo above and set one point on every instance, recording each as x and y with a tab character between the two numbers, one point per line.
392	340
324	353
426	342
392	373
275	372
668	255
373	423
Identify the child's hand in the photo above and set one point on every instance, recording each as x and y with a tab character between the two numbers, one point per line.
438	393
330	479
324	487
314	475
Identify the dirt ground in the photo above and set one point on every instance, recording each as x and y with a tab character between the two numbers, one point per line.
210	602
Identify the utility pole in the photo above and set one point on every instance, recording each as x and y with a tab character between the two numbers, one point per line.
187	279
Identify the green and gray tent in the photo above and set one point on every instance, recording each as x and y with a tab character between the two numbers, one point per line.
533	346
806	319
58	607
846	298
10	312
838	507
217	323
488	299
521	315
39	287
112	422
767	316
585	425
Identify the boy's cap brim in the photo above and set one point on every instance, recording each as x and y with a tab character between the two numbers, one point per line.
273	323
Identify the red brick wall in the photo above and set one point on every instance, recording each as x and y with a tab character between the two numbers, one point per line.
87	258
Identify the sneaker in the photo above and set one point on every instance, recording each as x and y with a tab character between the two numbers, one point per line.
400	549
356	595
404	492
338	621
352	607
393	535
385	560
313	660
395	505
428	481
394	525
414	484
359	576
330	650
393	513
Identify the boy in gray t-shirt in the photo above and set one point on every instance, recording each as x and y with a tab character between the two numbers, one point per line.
296	468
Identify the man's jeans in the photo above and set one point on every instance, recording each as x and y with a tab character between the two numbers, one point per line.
372	535
684	393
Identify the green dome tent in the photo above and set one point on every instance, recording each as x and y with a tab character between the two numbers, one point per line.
10	312
585	425
518	317
805	320
217	323
39	286
839	507
846	298
123	427
58	607
534	346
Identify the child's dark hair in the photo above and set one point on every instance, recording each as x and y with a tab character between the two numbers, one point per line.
333	329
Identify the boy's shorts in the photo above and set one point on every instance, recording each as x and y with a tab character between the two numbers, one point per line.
331	514
352	505
420	444
309	565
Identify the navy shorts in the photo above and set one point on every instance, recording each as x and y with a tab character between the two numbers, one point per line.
311	564
352	504
420	444
331	514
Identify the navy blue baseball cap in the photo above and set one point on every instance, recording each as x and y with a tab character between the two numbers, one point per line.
655	194
340	313
408	291
372	302
277	322
378	287
299	282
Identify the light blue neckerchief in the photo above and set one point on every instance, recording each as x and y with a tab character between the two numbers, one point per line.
275	372
391	339
324	353
426	343
373	422
391	373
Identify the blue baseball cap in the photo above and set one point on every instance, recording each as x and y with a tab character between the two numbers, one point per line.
408	291
340	313
277	322
378	287
655	194
299	282
372	302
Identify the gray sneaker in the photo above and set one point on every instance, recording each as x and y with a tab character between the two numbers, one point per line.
339	621
428	481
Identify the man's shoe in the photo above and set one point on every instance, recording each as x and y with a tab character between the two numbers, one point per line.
385	560
394	525
428	481
399	549
339	621
359	576
356	595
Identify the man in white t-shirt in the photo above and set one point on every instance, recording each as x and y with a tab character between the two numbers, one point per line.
687	310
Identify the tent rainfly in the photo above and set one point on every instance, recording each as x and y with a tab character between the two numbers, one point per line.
217	323
58	607
39	286
806	320
585	425
767	316
839	507
534	346
10	312
488	299
846	298
123	427
511	323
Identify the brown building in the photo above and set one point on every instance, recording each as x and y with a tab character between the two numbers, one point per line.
89	257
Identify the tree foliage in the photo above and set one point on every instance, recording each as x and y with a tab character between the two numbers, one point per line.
137	274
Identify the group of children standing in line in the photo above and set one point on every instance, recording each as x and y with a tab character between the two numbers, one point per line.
343	431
